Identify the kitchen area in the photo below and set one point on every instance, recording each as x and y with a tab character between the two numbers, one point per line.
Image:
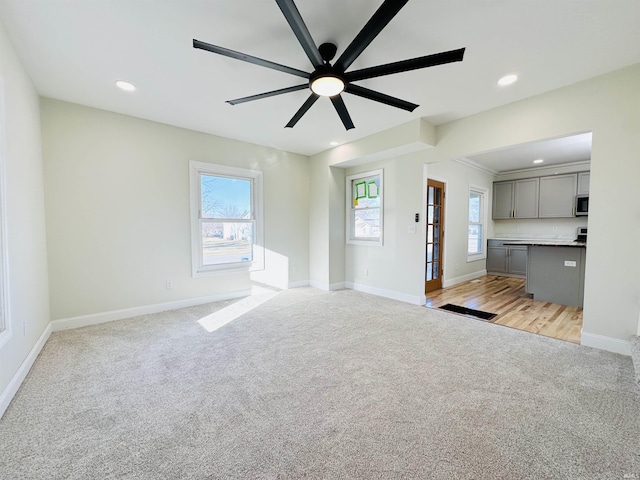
553	264
536	245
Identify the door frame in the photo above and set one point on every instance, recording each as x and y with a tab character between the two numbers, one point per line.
423	227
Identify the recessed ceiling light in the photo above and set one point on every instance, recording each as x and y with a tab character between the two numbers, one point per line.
539	160
334	144
126	86
507	80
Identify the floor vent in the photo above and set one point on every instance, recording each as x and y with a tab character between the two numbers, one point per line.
469	312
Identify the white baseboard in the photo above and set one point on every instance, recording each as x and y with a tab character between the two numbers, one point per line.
301	283
381	292
103	317
448	282
7	395
326	286
610	344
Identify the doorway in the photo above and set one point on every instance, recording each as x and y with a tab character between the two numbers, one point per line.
435	235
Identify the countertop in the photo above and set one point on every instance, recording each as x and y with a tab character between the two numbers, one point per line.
546	243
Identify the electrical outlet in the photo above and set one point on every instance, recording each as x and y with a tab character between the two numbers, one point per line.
366	272
570	263
412	229
169	284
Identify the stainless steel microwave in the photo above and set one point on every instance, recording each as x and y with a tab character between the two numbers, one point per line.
582	205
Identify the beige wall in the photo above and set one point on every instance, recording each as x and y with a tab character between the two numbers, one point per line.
117	204
25	223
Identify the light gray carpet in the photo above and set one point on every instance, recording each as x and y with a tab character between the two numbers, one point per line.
315	384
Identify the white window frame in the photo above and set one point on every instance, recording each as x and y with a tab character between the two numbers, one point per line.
350	214
198	269
484	193
5	323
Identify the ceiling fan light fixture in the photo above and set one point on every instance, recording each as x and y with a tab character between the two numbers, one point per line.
327	85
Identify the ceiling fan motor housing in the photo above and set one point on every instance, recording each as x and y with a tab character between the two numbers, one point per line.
326	81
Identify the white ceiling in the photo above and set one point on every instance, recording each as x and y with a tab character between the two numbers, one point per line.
553	152
74	50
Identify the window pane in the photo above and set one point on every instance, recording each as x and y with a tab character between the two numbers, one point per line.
436	251
474	207
429	272
475	239
430	214
430	234
367	192
227	242
430	196
435	270
225	197
436	217
429	252
367	223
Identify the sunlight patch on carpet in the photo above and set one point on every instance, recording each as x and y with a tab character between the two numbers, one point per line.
219	319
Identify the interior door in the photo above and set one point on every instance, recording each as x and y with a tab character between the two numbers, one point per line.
435	235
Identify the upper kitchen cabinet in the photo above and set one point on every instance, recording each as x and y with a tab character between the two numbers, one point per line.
557	196
583	183
516	199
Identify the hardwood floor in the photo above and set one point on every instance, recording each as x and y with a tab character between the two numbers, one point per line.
506	297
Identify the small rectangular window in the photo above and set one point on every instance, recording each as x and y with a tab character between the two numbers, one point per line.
226	218
365	208
476	224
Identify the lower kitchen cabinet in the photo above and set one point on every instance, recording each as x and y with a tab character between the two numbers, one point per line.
506	260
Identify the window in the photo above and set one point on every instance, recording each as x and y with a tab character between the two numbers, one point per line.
226	218
477	222
5	330
365	208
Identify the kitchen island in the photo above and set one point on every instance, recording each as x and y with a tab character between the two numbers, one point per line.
555	270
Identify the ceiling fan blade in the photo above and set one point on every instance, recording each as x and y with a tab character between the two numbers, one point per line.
374	26
341	108
380	97
248	58
300	30
273	93
406	65
303	109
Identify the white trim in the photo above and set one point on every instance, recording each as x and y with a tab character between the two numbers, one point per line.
326	286
448	282
381	292
10	391
103	317
301	283
610	344
473	164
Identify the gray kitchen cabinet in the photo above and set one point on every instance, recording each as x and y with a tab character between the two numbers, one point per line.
503	200
583	183
557	196
556	274
510	261
515	199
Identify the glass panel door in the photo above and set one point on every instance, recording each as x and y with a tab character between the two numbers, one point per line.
435	235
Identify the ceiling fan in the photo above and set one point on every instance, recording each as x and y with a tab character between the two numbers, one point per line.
329	80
